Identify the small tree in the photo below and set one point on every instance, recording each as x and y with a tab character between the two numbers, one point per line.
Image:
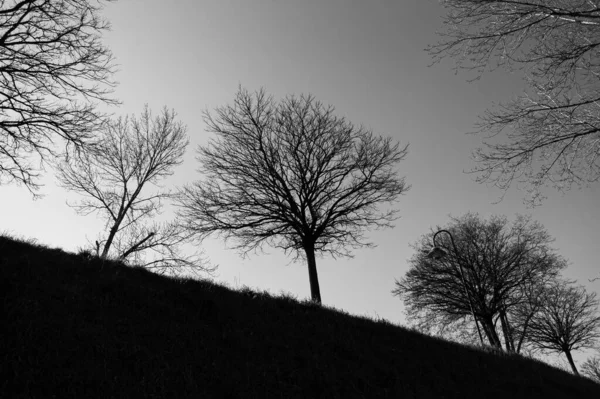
553	128
566	321
53	71
115	176
492	275
591	368
294	176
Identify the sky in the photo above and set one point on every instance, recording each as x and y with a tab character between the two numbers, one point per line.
367	59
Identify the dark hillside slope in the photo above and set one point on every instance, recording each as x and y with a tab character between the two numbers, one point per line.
71	327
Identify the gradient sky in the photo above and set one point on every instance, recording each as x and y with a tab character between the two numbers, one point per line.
364	58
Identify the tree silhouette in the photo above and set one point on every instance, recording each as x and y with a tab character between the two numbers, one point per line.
567	320
53	72
504	268
591	368
552	131
294	176
116	176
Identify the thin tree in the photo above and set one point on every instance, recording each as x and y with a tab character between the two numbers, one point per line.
552	131
292	175
531	297
502	265
591	368
568	320
53	72
118	179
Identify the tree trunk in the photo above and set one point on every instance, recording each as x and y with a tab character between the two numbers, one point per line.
315	292
109	240
123	209
486	330
571	362
490	332
506	331
524	332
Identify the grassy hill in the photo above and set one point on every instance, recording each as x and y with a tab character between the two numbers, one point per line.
74	327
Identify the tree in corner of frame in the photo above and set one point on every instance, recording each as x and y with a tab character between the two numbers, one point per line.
550	134
54	72
294	176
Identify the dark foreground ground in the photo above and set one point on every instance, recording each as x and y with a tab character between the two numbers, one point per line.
77	328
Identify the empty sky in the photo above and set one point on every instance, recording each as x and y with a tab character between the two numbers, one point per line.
364	58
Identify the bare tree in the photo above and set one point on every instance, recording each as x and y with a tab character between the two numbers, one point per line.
531	297
553	129
294	176
115	176
53	72
491	274
566	321
591	368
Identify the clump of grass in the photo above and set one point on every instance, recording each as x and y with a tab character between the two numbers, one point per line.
72	327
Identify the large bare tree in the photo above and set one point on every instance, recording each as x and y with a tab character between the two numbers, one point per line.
293	175
550	135
566	321
491	274
118	179
53	73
